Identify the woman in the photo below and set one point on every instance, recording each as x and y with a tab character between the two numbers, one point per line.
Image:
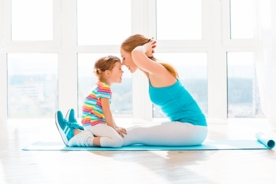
188	124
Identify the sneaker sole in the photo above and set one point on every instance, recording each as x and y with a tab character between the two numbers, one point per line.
63	136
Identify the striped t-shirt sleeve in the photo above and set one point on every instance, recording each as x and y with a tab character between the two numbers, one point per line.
104	91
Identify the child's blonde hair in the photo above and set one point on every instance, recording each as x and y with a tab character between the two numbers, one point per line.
103	64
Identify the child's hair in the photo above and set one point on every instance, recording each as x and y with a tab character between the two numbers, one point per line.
103	64
137	40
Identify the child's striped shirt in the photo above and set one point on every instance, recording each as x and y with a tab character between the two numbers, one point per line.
92	112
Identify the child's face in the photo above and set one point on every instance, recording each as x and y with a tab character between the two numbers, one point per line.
116	73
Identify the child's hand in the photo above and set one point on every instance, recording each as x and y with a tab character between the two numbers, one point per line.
121	131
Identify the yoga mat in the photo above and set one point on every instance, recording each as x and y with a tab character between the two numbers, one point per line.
207	145
262	138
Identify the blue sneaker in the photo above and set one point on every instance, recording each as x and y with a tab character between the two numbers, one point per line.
70	117
64	128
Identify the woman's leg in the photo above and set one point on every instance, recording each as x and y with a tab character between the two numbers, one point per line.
107	136
166	134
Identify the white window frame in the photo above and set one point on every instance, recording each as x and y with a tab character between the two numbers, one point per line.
215	42
227	42
3	68
233	45
32	44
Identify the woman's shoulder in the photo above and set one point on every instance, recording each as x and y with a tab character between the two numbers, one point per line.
162	80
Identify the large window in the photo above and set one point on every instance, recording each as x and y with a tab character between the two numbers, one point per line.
32	85
31	20
179	20
104	22
48	48
242	19
243	95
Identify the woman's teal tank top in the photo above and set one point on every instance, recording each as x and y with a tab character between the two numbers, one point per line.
177	104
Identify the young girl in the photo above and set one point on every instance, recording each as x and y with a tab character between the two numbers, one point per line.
96	114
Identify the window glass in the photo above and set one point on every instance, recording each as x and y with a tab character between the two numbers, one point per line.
265	14
99	24
192	70
31	20
242	19
32	85
243	96
179	20
121	102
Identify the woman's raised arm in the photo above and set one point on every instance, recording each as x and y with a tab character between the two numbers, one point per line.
141	57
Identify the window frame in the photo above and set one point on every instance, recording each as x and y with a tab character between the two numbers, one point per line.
36	44
227	41
215	42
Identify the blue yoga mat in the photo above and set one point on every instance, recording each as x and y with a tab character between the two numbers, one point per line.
262	142
208	145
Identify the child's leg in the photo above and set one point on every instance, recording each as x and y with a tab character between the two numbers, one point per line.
106	136
77	131
82	139
166	134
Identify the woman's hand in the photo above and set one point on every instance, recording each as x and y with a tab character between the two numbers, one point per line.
121	131
149	47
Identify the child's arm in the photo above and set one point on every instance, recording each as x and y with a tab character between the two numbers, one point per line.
123	130
107	112
114	122
109	118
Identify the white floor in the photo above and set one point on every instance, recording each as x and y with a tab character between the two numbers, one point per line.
223	166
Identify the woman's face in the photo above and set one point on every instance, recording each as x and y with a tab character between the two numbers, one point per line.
127	61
